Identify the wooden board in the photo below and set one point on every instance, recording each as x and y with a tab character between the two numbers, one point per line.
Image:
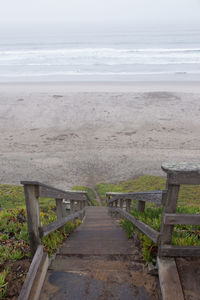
151	196
39	278
169	279
150	232
45	230
168	250
189	273
182	172
48	192
30	277
52	192
183	219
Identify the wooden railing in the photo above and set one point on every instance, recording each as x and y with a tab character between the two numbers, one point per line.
116	205
33	190
177	174
39	265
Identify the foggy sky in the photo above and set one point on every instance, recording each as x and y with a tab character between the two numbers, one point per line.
99	12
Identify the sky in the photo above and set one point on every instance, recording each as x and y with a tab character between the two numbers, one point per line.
98	13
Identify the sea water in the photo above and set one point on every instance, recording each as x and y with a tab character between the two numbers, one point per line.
132	55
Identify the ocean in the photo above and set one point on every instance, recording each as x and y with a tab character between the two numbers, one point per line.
133	55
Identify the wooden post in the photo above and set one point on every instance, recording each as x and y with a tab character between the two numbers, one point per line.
111	206
121	206
116	205
60	211
84	201
169	207
71	206
141	206
80	208
128	205
33	215
121	203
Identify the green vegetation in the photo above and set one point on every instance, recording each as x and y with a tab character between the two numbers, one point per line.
14	237
189	194
188	202
3	283
91	193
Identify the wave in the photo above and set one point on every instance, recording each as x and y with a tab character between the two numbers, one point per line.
100	73
98	61
95	50
119	64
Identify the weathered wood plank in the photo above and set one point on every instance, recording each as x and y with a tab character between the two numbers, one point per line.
121	203
52	188
151	196
168	250
184	219
141	206
39	278
169	207
33	214
182	178
150	232
48	192
72	206
128	205
60	209
30	277
45	230
169	279
182	172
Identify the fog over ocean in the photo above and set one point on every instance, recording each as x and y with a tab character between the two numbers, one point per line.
100	56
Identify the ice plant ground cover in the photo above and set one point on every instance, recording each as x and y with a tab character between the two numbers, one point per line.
188	203
14	240
15	254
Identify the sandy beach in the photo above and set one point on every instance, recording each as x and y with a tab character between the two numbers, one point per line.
67	134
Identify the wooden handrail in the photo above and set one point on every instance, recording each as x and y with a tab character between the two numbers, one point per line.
146	229
177	174
33	190
181	219
48	191
149	196
30	277
47	229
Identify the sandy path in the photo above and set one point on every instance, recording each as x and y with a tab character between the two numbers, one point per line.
63	137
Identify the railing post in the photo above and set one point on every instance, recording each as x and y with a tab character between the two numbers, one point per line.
141	206
121	203
72	206
33	215
81	208
60	209
128	205
84	201
169	206
111	206
116	205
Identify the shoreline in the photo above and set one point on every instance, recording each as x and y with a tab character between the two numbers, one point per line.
105	86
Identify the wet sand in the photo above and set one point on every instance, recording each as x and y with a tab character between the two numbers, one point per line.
67	134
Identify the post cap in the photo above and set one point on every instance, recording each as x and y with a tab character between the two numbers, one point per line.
181	167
